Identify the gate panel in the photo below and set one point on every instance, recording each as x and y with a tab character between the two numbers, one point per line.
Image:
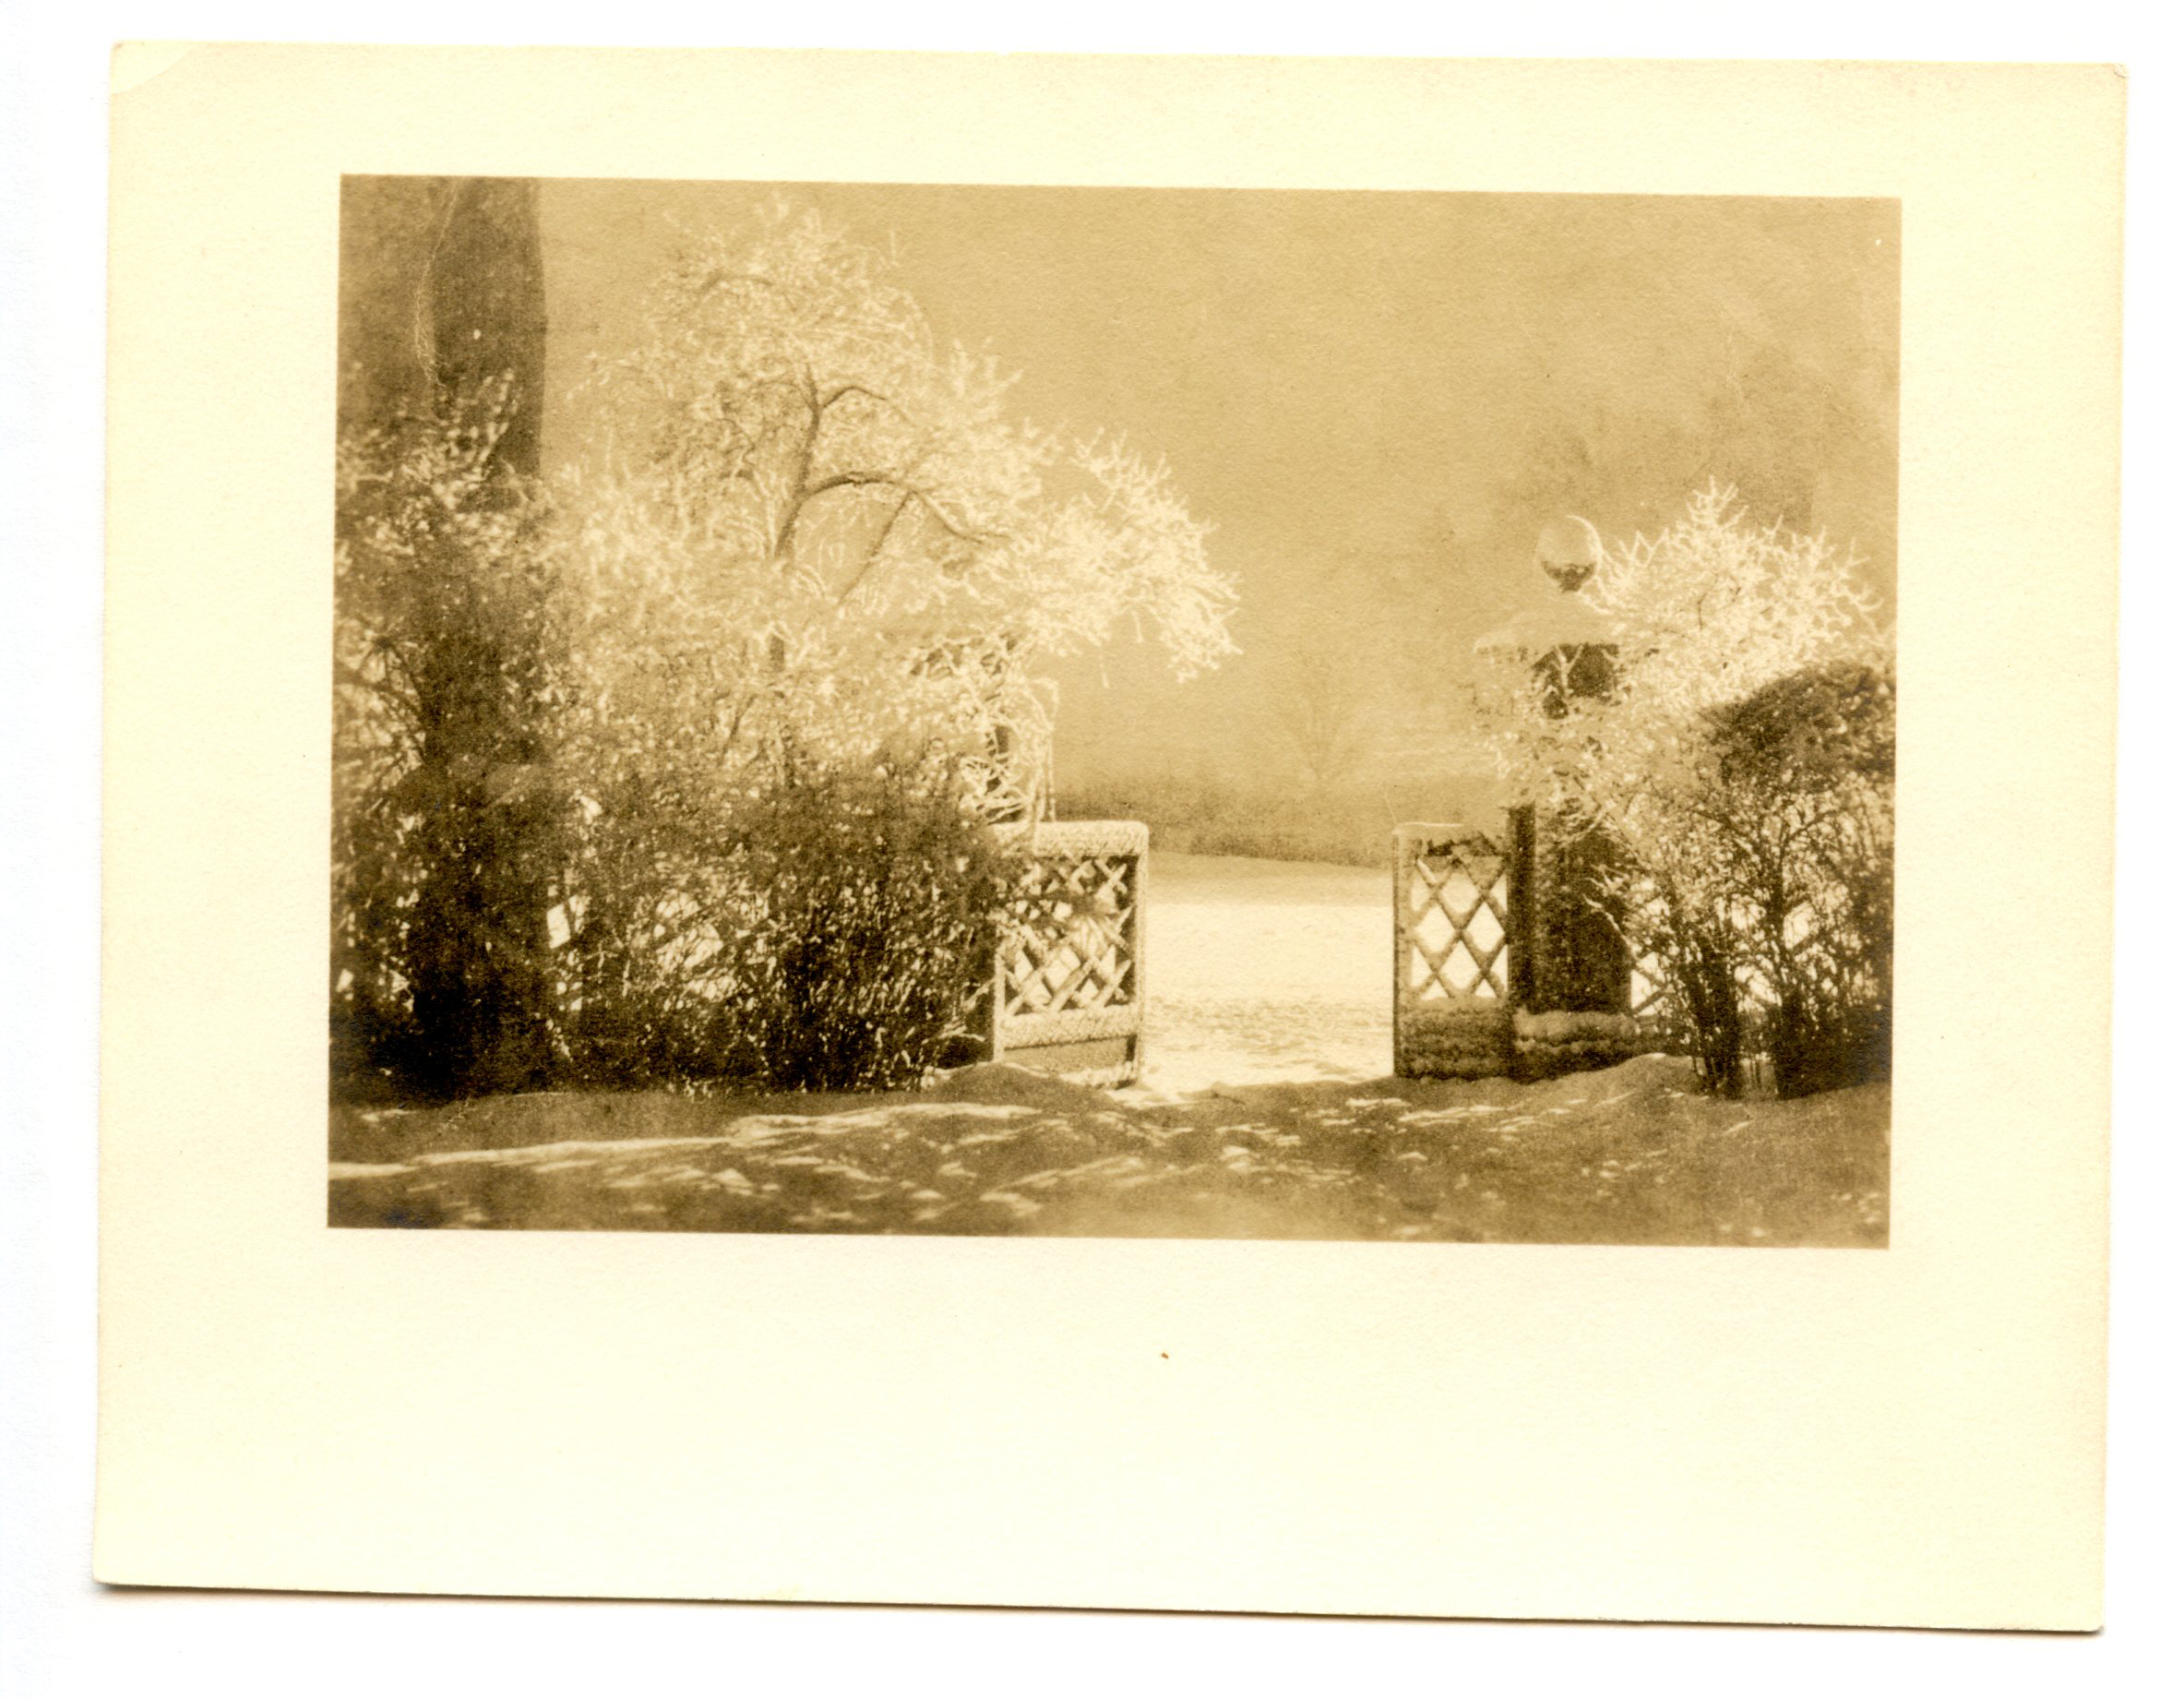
1453	954
1470	963
1068	992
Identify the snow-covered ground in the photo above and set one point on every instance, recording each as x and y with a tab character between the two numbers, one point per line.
1624	1156
1266	1111
1262	972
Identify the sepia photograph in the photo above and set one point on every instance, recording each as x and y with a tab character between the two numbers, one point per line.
1110	832
1116	713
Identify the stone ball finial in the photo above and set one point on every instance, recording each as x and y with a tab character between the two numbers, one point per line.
1569	550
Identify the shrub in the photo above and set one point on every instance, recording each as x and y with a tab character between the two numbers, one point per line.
871	905
643	973
1676	918
1808	773
1766	891
1456	1037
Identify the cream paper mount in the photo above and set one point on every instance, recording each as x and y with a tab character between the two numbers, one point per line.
1909	1436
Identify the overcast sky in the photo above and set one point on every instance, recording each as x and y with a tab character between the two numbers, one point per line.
1375	398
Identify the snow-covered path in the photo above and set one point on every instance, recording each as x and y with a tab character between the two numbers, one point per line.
1264	972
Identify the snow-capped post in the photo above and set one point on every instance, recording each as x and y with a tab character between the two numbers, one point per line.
1569	972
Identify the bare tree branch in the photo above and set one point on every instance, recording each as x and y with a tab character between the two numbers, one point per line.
841	390
959	530
872	552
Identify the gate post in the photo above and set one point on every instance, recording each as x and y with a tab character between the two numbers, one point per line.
1398	913
1523	969
1141	877
997	1001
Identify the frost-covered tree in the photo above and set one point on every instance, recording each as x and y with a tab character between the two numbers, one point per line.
819	533
1702	614
809	587
705	749
1742	766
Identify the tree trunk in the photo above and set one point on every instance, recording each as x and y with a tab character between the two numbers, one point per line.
443	293
486	280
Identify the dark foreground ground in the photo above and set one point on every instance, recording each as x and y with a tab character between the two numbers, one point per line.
1629	1155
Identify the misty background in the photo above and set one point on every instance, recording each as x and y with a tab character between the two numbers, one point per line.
1376	398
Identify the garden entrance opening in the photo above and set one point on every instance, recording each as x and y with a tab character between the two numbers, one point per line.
1268	972
1277	971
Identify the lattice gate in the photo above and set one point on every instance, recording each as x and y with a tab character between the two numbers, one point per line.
1453	952
1468	971
1068	988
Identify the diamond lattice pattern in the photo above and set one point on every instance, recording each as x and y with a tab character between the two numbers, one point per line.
1457	919
1071	949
